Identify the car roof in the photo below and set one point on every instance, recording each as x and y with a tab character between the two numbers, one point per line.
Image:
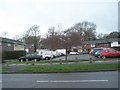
108	49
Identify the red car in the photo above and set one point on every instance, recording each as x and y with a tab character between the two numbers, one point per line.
109	53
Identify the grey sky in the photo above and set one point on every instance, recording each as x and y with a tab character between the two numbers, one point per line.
17	16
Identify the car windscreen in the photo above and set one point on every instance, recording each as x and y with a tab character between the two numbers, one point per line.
95	50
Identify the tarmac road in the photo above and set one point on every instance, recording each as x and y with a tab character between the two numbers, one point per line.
76	57
108	79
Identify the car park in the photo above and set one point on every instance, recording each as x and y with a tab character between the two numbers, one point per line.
30	57
73	53
109	53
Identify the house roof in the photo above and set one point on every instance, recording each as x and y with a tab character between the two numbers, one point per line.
102	41
11	41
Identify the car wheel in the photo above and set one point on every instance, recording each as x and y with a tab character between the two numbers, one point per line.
46	58
35	60
98	56
49	58
26	60
21	60
38	59
103	57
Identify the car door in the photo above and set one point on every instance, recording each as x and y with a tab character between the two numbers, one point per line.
113	53
28	56
33	56
107	53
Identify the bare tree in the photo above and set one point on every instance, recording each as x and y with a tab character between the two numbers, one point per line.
73	37
17	37
114	35
52	40
100	36
4	34
32	36
86	29
111	35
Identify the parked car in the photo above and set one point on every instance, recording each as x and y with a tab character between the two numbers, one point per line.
95	50
73	53
84	52
62	51
109	53
97	54
57	54
91	52
47	55
30	57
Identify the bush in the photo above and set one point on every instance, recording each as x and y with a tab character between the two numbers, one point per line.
12	54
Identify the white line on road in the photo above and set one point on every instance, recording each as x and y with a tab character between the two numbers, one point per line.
71	81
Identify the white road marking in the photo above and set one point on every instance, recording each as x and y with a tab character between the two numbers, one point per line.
71	81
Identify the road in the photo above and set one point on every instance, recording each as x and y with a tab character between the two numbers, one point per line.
107	79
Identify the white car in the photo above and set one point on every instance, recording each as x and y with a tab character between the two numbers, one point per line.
62	51
56	54
46	54
73	53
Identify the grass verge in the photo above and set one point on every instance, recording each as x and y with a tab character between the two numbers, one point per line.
63	61
5	68
9	60
66	68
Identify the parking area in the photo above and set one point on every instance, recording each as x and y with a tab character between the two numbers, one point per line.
76	57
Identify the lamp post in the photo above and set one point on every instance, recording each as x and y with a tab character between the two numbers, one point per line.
65	41
66	49
66	45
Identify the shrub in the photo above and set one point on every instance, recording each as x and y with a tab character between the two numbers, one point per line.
12	54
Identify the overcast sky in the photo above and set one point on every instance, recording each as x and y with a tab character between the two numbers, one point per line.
17	16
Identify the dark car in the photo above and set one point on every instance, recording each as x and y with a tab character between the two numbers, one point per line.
30	57
84	52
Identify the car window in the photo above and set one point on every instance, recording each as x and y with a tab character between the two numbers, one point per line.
36	53
107	51
32	54
28	55
97	50
41	52
112	51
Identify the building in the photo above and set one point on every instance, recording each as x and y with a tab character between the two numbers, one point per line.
11	45
107	43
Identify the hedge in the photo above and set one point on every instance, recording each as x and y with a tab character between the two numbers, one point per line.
12	54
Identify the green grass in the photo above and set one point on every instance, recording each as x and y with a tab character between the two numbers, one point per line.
63	61
66	68
9	60
5	68
45	61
